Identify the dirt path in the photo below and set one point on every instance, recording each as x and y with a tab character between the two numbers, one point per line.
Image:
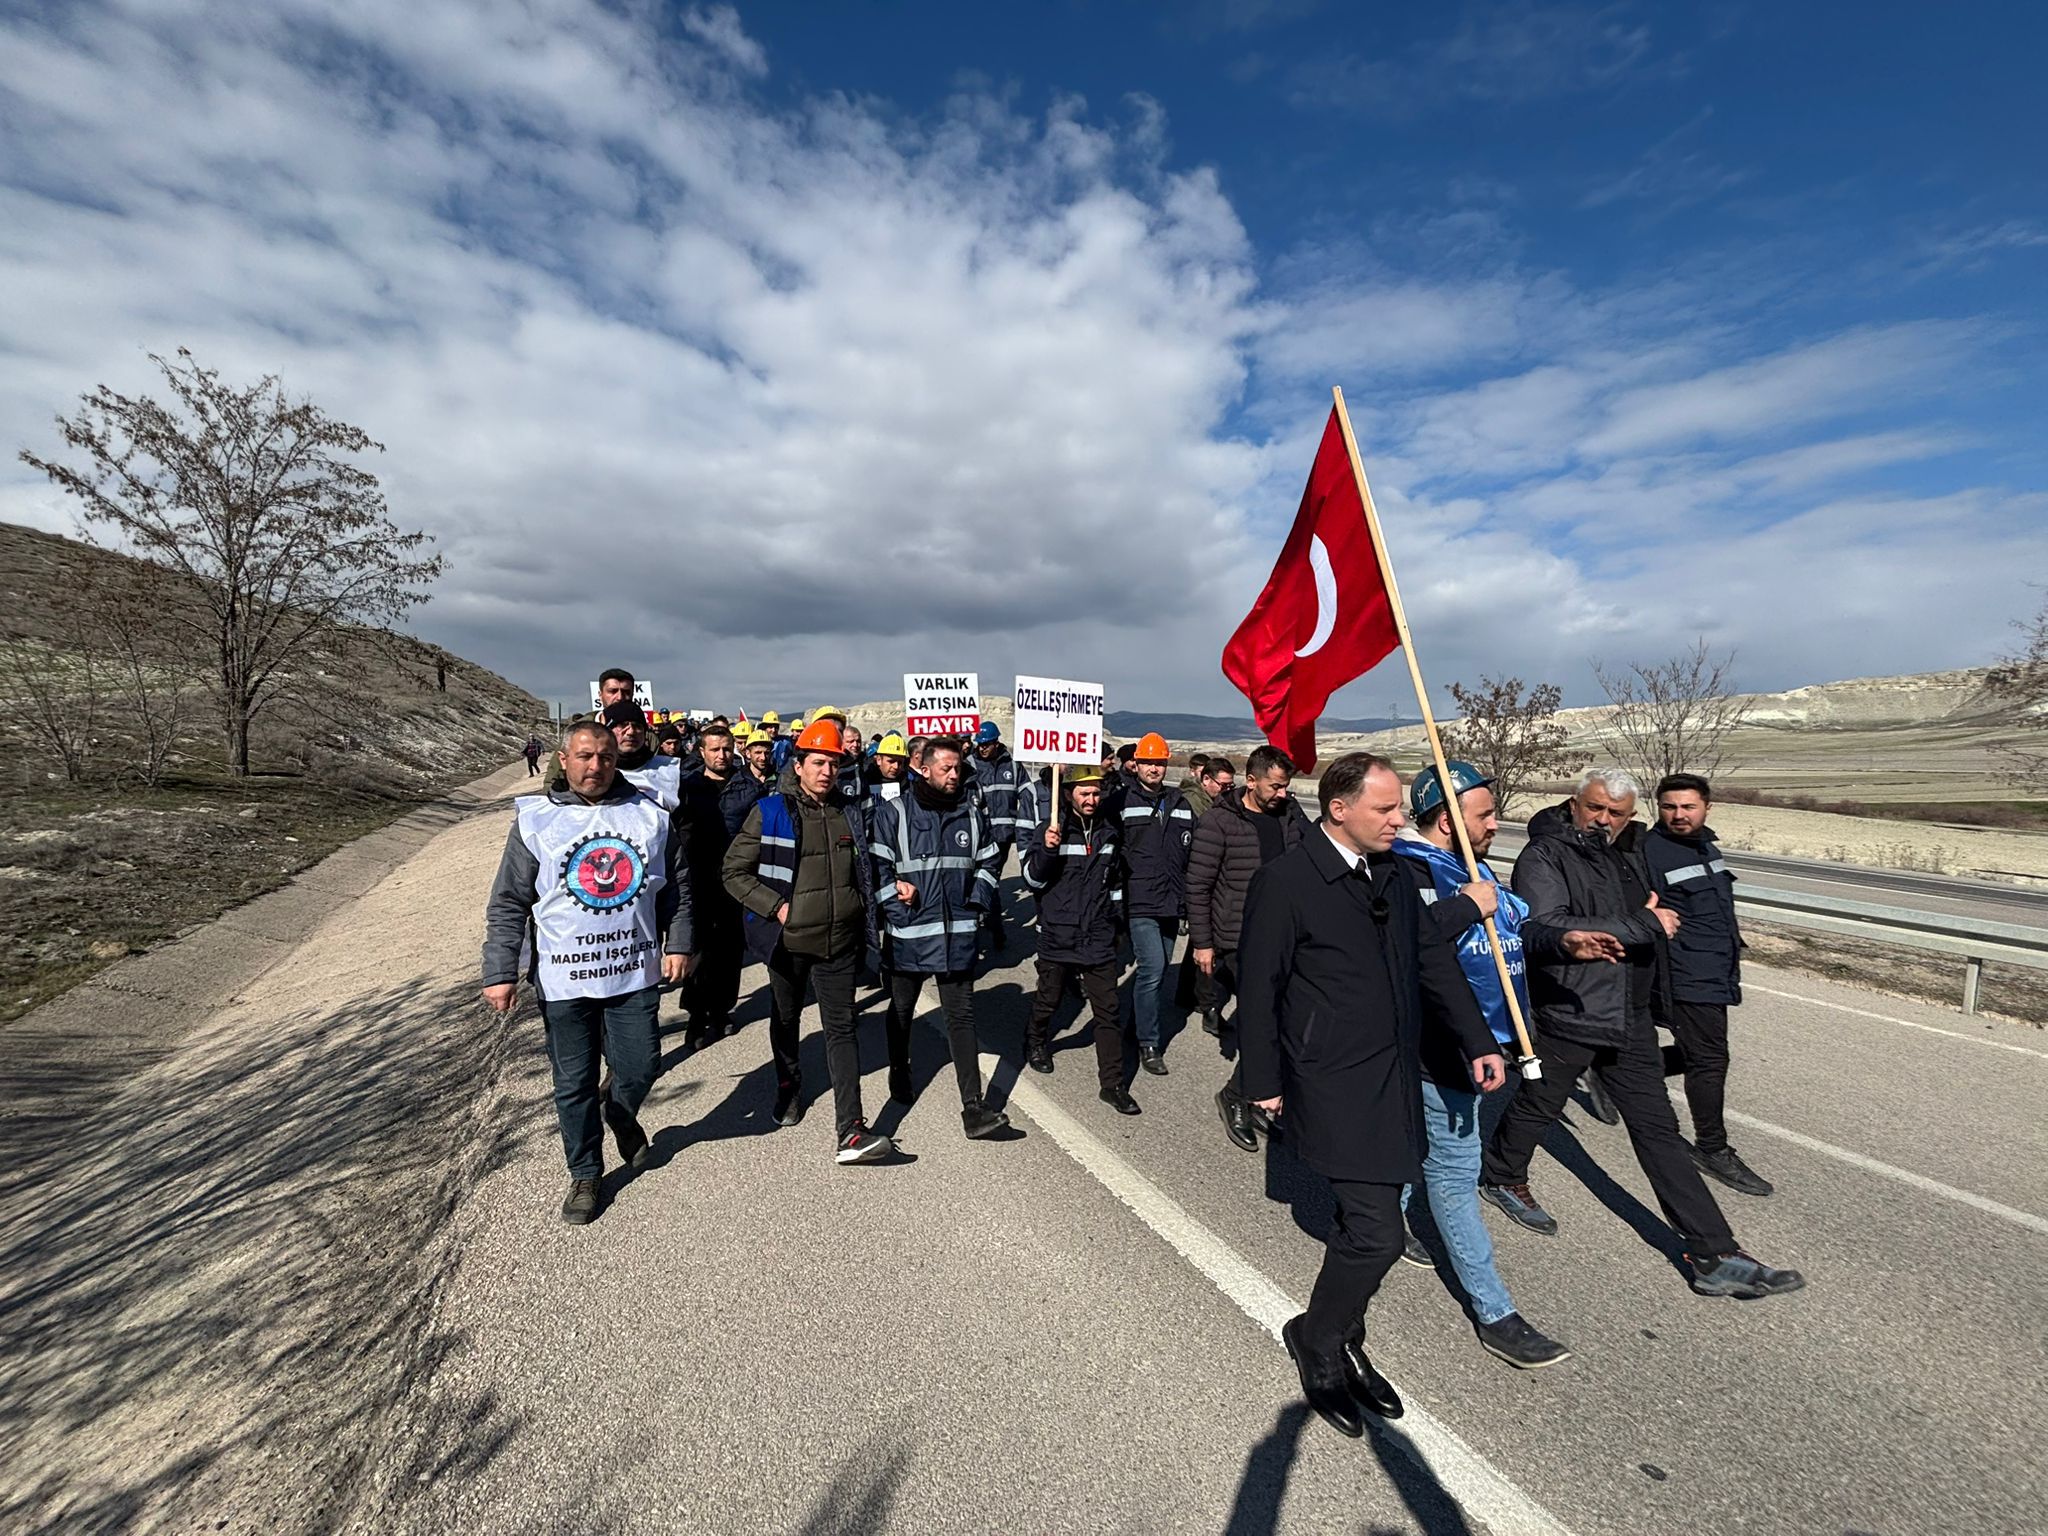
228	1167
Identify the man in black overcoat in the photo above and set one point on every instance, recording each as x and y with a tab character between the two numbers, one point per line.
1335	961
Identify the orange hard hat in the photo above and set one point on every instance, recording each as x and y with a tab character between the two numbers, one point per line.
821	736
1152	748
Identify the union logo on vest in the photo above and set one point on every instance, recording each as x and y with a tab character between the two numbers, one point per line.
604	872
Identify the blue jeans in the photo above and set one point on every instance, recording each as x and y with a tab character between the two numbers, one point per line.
1450	1175
1152	944
585	1033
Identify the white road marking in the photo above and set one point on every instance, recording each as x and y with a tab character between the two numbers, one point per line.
1886	1018
1920	1181
1479	1487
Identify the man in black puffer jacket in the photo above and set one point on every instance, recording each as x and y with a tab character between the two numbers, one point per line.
1076	874
1595	937
1246	828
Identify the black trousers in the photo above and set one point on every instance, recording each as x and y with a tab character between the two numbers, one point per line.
712	989
832	979
956	999
1098	985
992	920
1365	1239
1633	1076
1702	1055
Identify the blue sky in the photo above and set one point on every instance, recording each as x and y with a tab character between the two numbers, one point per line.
844	340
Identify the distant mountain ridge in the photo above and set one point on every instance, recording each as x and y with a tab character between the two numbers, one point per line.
1136	722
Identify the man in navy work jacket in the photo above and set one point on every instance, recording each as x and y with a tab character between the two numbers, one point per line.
935	859
1692	879
1075	872
1335	965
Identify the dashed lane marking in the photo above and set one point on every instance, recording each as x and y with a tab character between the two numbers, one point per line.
1920	1181
1886	1018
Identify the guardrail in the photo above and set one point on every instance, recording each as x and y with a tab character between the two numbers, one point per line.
1972	940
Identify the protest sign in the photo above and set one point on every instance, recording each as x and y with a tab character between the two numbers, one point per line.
1058	721
941	703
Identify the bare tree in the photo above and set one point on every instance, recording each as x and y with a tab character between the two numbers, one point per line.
256	498
2019	684
55	695
1511	737
1673	716
148	671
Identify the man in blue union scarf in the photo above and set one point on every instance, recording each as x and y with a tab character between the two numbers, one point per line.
1450	1108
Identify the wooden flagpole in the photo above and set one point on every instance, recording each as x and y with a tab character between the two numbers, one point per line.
1055	800
1529	1065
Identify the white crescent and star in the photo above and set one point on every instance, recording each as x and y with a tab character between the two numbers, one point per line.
1326	597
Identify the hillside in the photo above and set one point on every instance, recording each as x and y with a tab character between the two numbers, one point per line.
107	865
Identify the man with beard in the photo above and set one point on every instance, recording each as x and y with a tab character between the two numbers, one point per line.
935	877
639	764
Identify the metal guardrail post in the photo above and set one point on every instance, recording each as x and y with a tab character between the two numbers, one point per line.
1973	977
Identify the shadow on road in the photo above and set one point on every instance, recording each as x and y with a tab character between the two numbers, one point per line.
215	1294
857	1500
1262	1487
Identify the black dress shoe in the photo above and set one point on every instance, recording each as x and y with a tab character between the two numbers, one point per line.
1237	1120
1212	1023
979	1121
1119	1101
1367	1384
789	1101
1040	1059
1150	1059
1323	1384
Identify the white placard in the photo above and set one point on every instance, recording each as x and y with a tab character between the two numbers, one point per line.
1058	721
643	694
941	703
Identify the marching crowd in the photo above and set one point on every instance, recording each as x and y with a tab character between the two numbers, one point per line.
1342	964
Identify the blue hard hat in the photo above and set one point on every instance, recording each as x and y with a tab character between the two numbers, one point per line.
988	733
1427	793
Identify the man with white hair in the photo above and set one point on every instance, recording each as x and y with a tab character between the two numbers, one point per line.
1596	938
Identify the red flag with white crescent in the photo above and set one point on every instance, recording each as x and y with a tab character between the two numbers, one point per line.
1323	619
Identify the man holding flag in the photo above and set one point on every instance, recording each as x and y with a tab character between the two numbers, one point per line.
1450	1107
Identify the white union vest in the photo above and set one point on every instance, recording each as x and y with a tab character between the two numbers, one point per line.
601	867
661	777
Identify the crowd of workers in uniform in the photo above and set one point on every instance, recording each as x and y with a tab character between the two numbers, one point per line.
1342	964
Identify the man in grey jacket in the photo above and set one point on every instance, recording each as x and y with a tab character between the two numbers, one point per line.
592	900
1595	937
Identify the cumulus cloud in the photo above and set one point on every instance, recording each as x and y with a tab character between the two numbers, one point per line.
773	401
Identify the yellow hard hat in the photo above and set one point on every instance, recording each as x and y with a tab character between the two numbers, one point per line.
1087	773
757	737
769	717
828	712
892	745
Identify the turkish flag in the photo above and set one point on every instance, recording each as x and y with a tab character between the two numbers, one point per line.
1324	617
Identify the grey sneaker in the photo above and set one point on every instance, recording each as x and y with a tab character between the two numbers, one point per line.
1731	1170
1737	1274
1520	1206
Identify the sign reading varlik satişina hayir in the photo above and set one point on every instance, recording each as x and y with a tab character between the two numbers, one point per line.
942	703
1058	721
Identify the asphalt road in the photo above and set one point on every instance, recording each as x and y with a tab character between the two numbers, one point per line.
1074	1330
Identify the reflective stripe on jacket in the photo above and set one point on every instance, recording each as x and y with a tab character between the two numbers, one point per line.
951	857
